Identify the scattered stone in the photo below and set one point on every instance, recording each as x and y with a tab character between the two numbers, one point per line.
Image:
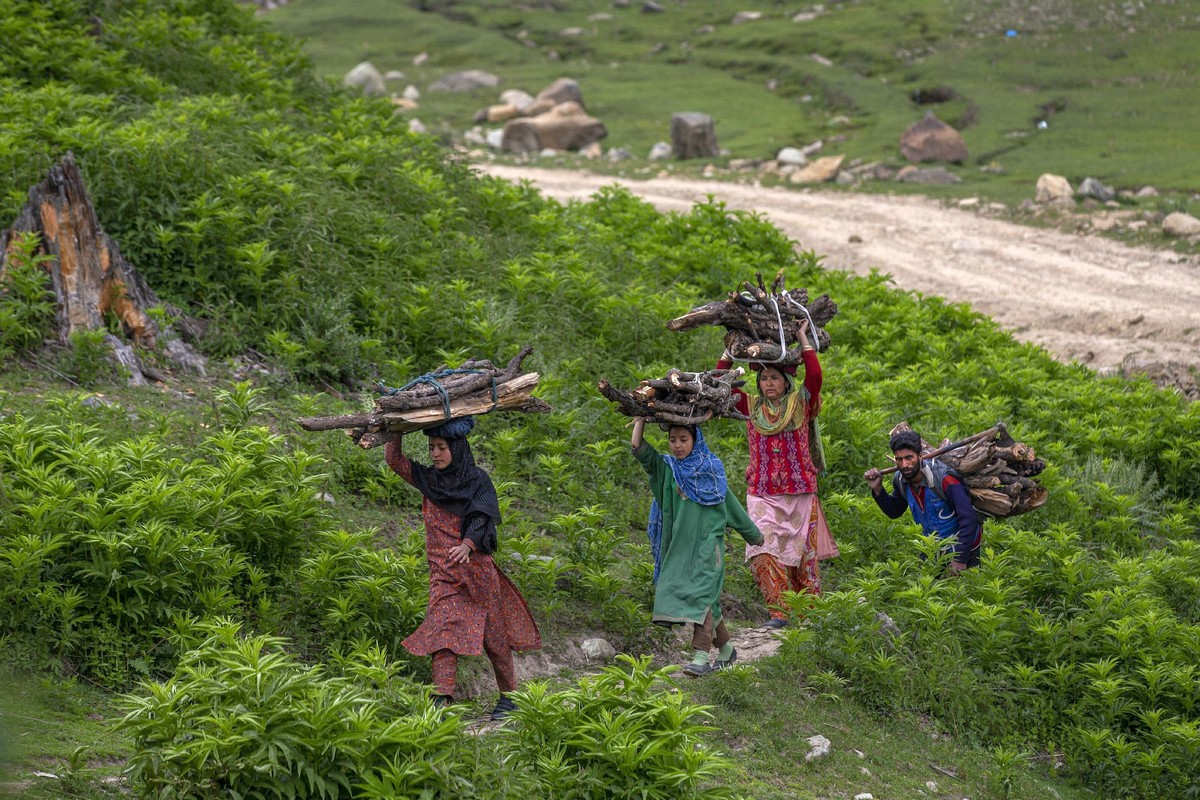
563	90
1095	189
96	401
475	136
1103	224
404	104
393	75
601	17
411	93
818	747
931	786
658	48
820	59
420	58
553	55
416	126
499	113
968	202
997	207
860	754
565	127
326	497
855	239
932	140
933	176
772	85
619	154
517	98
1051	188
597	649
549	152
840	119
845	178
819	171
864	796
1146	191
465	81
791	155
812	148
704	30
495	138
650	7
1178	223
366	79
661	151
746	16
693	135
806	16
743	164
1138	224
593	150
568	33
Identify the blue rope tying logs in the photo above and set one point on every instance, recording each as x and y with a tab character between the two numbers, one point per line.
432	379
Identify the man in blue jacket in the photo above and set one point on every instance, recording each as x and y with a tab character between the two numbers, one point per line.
938	500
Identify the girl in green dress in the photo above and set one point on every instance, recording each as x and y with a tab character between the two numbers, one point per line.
691	510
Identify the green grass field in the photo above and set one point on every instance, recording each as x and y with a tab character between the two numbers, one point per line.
1124	84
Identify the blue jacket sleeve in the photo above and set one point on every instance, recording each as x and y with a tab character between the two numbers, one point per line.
968	519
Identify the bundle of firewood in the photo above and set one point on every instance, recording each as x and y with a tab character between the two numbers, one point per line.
997	470
755	319
681	398
475	387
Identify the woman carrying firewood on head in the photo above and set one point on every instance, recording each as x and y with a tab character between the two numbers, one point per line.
473	607
781	479
688	517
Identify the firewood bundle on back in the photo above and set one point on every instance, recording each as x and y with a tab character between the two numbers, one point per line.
997	470
756	318
681	398
475	387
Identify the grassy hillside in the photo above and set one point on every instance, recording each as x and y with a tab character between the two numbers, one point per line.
176	543
1113	81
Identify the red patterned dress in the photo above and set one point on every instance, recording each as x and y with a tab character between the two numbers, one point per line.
473	608
781	498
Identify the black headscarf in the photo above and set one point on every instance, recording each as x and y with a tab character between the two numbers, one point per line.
462	488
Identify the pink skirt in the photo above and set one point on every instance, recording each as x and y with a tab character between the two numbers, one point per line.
792	525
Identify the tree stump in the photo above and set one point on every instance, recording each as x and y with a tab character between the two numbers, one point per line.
693	135
90	277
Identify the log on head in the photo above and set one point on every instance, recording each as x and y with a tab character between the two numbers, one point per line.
90	277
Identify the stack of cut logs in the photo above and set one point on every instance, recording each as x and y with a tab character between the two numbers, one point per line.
681	398
475	387
997	470
753	320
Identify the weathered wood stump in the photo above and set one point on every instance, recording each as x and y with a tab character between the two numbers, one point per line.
90	277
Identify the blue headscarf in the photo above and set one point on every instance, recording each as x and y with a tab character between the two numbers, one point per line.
701	478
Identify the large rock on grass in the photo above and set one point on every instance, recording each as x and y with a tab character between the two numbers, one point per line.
818	171
932	140
366	79
1180	224
465	81
563	90
1053	189
693	135
565	127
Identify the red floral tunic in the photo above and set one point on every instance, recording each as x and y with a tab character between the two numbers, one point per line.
465	600
781	463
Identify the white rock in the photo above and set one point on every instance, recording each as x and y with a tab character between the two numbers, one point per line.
517	98
549	152
864	796
822	60
860	754
661	151
420	59
968	202
494	137
1146	191
416	126
791	155
1052	187
411	93
393	75
365	78
931	786
746	16
326	497
818	747
1179	224
597	649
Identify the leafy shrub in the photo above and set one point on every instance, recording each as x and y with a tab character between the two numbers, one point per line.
240	717
618	735
26	301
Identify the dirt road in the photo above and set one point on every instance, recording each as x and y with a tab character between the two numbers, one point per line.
1083	298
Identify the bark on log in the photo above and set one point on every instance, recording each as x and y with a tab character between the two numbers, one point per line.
90	277
681	398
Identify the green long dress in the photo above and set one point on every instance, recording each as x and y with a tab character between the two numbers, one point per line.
692	552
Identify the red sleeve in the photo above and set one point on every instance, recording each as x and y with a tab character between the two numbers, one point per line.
743	401
812	380
396	459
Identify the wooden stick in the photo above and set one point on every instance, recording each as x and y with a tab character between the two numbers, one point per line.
989	433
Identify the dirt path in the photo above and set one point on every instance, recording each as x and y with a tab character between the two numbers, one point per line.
1083	298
